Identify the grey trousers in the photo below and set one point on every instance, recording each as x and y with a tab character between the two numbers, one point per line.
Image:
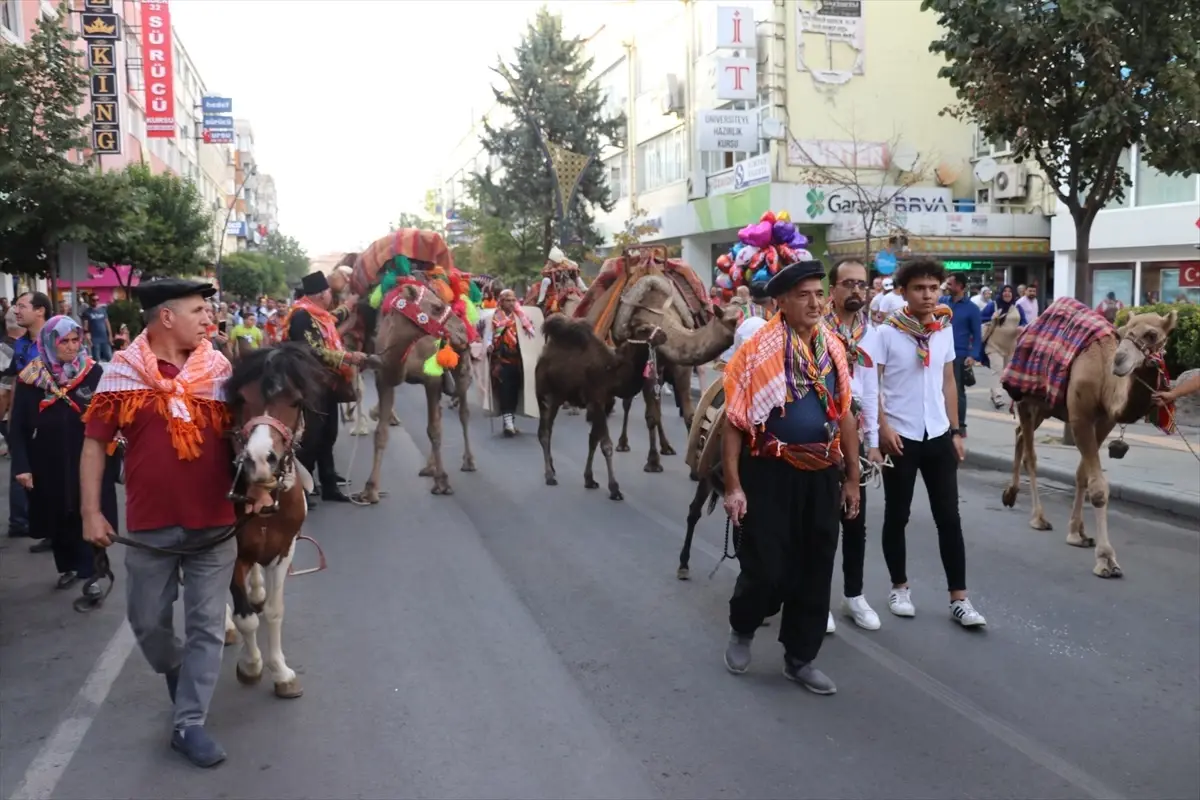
153	587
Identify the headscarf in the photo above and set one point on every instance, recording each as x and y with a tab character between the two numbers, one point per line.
56	328
998	298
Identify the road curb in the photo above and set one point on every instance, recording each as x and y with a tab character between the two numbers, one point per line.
1158	499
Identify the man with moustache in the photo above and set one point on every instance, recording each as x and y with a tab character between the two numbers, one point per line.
788	431
848	318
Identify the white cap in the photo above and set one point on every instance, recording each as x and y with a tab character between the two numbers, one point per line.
556	256
888	284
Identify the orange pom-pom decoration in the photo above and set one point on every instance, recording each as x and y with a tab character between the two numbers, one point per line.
447	358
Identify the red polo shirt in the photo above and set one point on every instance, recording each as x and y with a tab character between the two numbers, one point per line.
162	490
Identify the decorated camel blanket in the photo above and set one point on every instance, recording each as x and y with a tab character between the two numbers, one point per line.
417	245
1042	357
617	275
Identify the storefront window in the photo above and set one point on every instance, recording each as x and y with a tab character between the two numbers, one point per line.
1156	189
1117	281
1171	292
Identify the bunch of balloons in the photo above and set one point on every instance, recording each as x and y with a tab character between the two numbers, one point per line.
762	249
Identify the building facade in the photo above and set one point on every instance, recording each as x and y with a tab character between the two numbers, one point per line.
1145	249
733	109
210	166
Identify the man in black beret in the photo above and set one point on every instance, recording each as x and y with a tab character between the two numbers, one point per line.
311	322
790	457
165	395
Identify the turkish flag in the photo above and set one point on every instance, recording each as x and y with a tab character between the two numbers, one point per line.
1189	274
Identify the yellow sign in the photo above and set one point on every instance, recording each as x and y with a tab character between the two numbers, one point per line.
106	140
102	55
104	112
100	26
100	30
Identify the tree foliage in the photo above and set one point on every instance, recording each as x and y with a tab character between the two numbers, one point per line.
498	248
417	221
45	198
250	275
1074	83
547	88
292	257
161	226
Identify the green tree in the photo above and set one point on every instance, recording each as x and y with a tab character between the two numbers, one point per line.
164	229
548	87
292	257
502	246
44	197
1075	83
408	220
249	275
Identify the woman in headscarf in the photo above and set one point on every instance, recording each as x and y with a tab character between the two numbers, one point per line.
51	395
1002	321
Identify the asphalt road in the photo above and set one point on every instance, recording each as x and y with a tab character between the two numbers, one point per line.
517	640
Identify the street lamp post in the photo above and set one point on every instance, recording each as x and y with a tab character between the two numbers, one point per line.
251	171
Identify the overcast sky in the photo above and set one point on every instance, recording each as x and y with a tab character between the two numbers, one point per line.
355	104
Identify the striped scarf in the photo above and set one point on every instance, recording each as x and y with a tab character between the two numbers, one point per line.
38	375
805	367
850	335
905	322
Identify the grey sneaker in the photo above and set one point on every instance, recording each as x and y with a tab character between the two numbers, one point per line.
737	653
808	676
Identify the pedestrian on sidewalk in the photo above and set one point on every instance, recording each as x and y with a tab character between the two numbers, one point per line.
848	318
788	431
99	329
32	311
164	393
52	393
968	341
918	400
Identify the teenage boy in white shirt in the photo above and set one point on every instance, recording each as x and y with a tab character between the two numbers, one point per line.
918	398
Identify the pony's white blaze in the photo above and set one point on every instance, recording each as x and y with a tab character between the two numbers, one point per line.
259	449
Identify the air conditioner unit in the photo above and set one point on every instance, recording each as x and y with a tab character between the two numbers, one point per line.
1010	182
672	99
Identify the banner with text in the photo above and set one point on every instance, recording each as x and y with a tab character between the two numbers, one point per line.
157	52
727	131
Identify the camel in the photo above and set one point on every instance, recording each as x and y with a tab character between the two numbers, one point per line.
999	337
652	299
578	369
403	344
1109	383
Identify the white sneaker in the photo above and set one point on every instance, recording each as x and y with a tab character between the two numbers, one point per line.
965	614
900	603
861	612
830	625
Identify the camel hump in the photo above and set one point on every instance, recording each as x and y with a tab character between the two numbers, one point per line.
576	333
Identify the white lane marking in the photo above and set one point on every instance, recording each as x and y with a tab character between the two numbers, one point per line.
1032	749
51	762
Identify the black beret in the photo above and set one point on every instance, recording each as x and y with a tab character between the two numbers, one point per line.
793	274
758	291
152	293
314	283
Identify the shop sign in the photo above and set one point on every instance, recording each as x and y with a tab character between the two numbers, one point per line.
737	79
735	28
969	266
752	172
159	71
1189	274
727	131
100	30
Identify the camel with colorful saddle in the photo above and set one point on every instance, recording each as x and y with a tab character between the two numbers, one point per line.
644	289
417	313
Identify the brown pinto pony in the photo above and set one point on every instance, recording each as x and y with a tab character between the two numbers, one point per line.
268	392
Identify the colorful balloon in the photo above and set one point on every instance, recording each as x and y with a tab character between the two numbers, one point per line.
798	240
724	262
723	281
744	256
762	276
758	235
737	248
772	258
768	216
783	232
783	216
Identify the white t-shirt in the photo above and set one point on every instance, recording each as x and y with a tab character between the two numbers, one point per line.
884	304
913	402
864	384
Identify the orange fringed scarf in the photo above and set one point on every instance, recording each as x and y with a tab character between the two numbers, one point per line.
190	402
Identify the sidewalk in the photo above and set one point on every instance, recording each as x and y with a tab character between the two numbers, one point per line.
1158	471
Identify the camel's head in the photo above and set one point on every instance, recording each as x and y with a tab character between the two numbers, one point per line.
649	334
1142	338
439	316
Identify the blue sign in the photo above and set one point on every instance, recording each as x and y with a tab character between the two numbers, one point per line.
885	262
219	137
218	123
216	105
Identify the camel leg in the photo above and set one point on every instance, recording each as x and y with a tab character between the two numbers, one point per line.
433	403
623	442
360	417
1009	498
599	435
1076	534
548	410
694	511
653	424
1087	440
682	386
464	417
287	685
387	395
1030	420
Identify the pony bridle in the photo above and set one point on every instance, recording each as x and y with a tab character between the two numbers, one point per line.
290	440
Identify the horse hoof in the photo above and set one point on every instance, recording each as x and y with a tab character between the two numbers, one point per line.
622	447
425	472
1040	525
245	678
667	451
289	690
683	573
1009	498
1075	540
590	485
1108	572
468	466
552	481
615	494
652	468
